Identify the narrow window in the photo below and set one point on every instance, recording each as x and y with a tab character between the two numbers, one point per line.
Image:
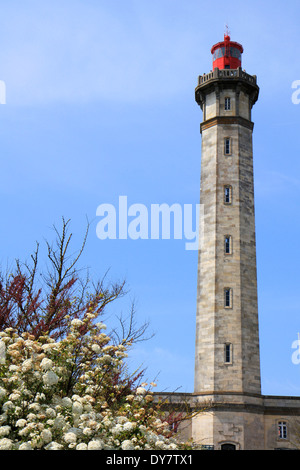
282	430
228	245
227	194
227	149
227	104
228	353
228	297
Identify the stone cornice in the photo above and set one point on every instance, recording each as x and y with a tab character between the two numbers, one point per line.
226	120
226	401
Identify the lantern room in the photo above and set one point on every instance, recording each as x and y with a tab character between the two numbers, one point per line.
227	54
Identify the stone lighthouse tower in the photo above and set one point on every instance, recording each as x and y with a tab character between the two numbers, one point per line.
227	362
227	409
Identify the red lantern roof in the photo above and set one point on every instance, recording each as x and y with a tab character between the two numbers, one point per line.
227	54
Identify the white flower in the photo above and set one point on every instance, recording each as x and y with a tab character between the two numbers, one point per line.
151	437
76	431
76	323
117	429
172	446
96	348
31	417
18	410
54	446
95	445
87	407
46	435
50	412
76	398
4	430
35	407
106	359
25	446
3	418
77	408
2	352
70	438
48	347
129	426
129	397
24	431
7	405
50	378
27	365
159	444
101	326
81	446
67	402
46	364
14	396
121	354
77	422
21	423
87	431
59	422
127	445
40	397
5	444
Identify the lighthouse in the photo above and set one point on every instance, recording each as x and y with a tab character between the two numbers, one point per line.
227	360
227	410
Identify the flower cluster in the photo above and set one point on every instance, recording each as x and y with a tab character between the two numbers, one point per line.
68	394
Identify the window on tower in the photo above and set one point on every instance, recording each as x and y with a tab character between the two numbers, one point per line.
227	194
282	430
227	104
228	353
228	245
227	146
228	297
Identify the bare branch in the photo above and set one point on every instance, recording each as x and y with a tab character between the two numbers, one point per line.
128	332
43	300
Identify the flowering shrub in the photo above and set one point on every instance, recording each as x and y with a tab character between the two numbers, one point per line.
70	394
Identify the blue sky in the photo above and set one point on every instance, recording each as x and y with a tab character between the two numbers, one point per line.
100	103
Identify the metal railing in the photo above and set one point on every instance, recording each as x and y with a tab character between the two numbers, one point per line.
227	73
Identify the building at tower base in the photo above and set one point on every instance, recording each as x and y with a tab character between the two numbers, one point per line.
236	422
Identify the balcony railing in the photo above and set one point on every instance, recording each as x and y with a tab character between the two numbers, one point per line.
227	73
